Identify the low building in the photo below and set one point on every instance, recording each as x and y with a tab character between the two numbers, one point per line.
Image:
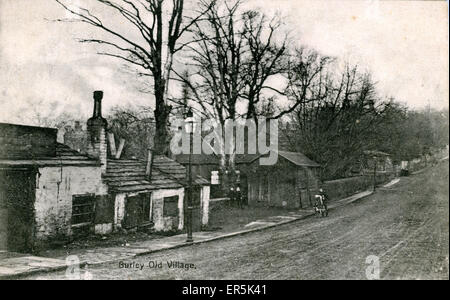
377	161
291	182
40	182
157	202
50	192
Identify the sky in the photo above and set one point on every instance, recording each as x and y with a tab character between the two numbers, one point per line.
44	71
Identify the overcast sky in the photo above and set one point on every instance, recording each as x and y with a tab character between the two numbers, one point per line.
44	70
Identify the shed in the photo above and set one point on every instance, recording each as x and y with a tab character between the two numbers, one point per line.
376	160
158	201
291	182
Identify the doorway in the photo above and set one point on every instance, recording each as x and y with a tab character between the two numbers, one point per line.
17	192
137	210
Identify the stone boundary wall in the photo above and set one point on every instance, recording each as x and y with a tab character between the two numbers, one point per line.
340	188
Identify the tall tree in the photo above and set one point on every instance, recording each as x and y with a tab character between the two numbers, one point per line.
236	54
338	121
151	51
136	126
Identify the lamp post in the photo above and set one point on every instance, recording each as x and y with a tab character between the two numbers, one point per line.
374	172
189	127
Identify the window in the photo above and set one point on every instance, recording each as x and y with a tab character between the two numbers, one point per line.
170	206
83	208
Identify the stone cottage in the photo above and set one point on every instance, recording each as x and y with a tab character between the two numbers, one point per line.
41	184
49	191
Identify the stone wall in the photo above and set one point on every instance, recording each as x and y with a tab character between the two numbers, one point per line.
341	188
54	190
162	223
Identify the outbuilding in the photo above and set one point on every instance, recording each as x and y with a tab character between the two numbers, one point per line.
291	182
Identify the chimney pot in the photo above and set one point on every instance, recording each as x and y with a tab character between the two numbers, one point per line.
98	96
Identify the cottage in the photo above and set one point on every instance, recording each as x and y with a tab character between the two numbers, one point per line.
158	201
291	182
41	183
142	193
49	191
376	160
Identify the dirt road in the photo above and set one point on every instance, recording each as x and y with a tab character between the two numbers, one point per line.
405	226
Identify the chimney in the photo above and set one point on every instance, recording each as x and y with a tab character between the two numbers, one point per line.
148	170
96	132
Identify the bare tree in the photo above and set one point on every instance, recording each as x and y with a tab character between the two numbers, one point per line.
159	36
337	123
136	126
216	82
267	58
235	55
304	71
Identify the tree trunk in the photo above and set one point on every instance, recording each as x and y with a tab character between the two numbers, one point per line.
162	111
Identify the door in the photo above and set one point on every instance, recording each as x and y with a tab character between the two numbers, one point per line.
16	210
137	210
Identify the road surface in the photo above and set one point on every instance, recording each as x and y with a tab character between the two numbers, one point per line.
405	226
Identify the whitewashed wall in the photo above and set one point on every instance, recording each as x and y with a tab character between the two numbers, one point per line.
54	190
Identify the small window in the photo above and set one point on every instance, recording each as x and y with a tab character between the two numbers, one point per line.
83	208
170	206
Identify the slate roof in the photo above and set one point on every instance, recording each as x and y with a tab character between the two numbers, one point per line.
298	159
65	156
129	175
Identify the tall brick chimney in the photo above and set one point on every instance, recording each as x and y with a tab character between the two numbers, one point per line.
96	132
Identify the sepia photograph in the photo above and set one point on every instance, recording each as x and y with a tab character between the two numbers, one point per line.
224	141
